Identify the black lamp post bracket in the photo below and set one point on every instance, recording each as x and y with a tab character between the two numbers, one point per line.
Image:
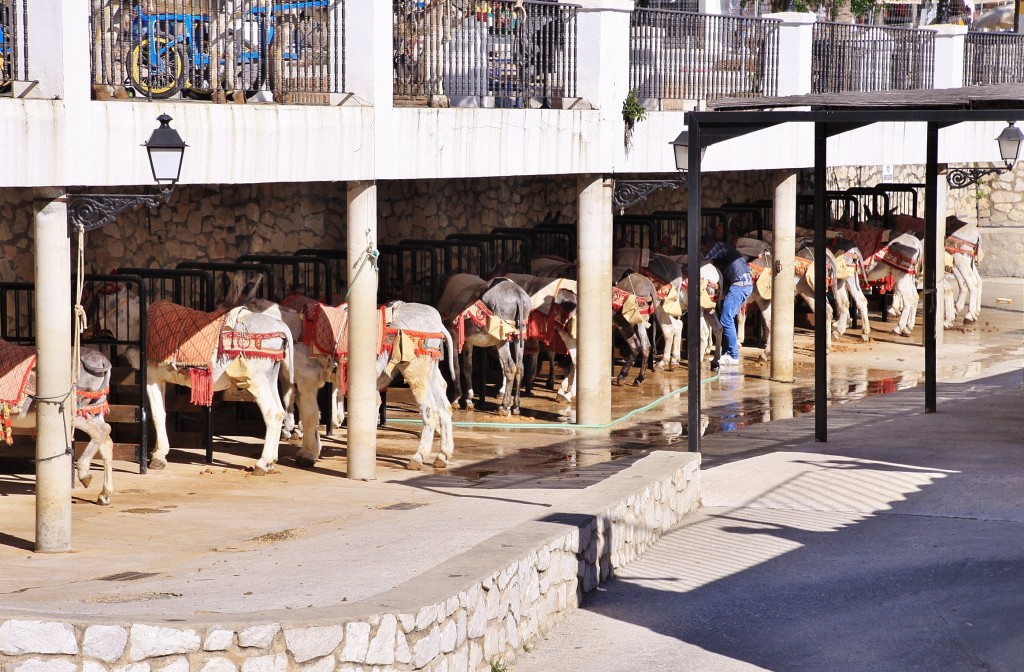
87	212
958	178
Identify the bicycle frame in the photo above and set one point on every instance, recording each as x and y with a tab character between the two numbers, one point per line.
193	35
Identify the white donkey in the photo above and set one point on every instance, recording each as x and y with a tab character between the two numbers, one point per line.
91	391
416	324
963	243
249	350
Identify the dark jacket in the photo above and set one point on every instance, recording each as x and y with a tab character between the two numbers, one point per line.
731	263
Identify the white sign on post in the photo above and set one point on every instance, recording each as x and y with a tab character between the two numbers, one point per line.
887	173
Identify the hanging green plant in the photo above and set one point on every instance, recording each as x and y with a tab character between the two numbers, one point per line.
632	112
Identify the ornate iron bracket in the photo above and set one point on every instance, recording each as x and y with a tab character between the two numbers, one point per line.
958	178
87	212
630	192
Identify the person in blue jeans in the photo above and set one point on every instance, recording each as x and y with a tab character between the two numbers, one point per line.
738	286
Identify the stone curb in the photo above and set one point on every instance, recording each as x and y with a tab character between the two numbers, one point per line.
445	620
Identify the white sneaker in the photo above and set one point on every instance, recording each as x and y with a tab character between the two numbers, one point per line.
728	360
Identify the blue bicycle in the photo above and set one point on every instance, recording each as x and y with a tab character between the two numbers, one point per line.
6	47
171	53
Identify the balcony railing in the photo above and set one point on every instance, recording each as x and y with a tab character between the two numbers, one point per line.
851	57
13	43
993	58
701	57
497	53
286	51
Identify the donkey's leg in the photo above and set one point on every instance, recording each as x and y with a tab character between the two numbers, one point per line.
508	370
443	412
418	375
645	351
263	385
309	414
155	390
99	440
467	377
908	316
629	335
861	301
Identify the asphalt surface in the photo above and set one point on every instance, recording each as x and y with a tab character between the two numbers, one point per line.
897	545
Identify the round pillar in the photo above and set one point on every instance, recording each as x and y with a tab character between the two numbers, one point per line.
594	311
783	280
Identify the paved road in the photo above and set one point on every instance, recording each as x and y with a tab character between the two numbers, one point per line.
898	545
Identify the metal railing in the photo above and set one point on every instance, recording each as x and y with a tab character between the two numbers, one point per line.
491	54
993	58
13	43
290	51
677	55
851	57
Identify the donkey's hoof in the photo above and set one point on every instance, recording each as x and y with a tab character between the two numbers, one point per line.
968	320
157	463
85	479
440	462
638	382
515	411
865	337
414	464
470	406
617	382
502	411
304	461
103	499
257	470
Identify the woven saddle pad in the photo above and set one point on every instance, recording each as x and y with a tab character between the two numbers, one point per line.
16	364
181	336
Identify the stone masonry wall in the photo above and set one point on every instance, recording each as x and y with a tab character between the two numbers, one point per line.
492	619
995	205
223	222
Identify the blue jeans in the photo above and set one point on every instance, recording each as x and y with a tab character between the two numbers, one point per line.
731	305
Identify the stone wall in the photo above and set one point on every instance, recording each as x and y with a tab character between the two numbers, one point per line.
549	566
995	205
223	222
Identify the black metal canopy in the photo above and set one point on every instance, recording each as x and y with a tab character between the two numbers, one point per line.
833	114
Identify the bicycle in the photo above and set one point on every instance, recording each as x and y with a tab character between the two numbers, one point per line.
6	47
171	53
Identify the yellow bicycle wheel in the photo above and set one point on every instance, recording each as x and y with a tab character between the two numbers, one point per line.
157	70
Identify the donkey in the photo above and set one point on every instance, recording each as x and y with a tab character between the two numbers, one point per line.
552	328
963	243
634	300
91	390
248	350
486	314
315	366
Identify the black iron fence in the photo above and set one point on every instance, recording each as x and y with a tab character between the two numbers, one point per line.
852	57
497	53
13	43
289	51
677	55
993	58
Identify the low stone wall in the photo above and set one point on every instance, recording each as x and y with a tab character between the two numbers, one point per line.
443	621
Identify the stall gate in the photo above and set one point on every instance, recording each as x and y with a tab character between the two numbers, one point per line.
408	272
309	275
503	252
338	261
128	407
191	288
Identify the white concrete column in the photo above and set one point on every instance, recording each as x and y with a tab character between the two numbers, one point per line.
602	75
53	374
795	41
594	312
370	47
783	281
362	331
59	57
949	57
